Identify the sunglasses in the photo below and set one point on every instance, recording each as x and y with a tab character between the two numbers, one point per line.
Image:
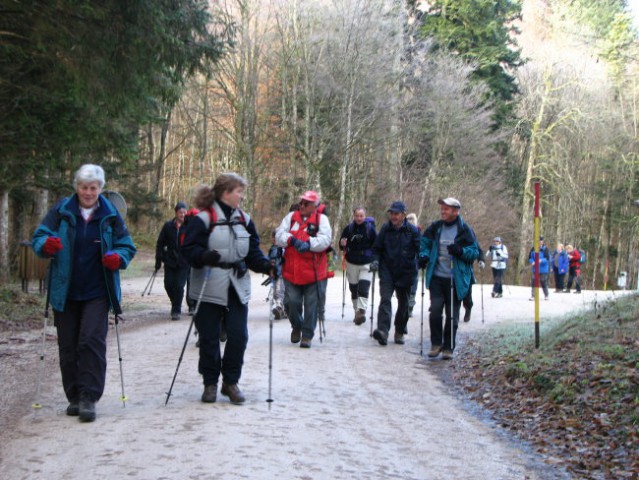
305	203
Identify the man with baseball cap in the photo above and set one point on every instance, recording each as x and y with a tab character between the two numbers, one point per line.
394	256
176	267
307	234
448	250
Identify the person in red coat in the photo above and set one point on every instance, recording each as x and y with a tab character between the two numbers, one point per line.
306	234
574	269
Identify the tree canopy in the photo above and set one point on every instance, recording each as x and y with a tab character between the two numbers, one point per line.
78	78
482	33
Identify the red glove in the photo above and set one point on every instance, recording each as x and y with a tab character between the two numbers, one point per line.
52	246
111	261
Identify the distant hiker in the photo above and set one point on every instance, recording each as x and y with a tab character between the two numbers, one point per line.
176	267
467	302
395	257
574	269
306	235
412	219
498	254
357	242
222	244
88	243
448	250
560	264
544	268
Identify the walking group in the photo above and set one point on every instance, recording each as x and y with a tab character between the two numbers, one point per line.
211	248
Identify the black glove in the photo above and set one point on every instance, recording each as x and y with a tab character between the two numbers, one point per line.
374	266
299	245
492	247
158	264
210	258
455	250
423	262
498	254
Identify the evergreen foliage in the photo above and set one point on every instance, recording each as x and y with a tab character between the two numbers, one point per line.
481	32
78	78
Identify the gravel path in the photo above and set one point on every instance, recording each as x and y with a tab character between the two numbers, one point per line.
346	408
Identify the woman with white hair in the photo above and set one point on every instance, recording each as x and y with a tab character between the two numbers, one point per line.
88	243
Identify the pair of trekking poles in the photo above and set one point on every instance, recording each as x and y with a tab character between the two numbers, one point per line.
271	317
115	304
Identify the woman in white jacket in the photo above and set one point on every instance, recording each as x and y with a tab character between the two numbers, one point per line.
499	258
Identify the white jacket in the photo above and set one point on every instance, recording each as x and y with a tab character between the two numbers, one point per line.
498	261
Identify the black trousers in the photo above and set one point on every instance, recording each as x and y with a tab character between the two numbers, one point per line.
440	304
82	331
208	319
174	282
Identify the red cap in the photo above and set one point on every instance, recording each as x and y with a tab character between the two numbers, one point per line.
310	196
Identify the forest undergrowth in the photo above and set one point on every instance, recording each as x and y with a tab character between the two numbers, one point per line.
575	399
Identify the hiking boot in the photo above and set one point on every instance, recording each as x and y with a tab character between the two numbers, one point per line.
191	311
73	410
492	294
467	315
296	335
447	354
234	393
499	295
399	338
305	343
532	299
360	317
210	393
175	316
434	351
86	410
381	337
578	291
278	313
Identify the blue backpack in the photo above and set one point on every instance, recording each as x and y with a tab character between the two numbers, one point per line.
582	254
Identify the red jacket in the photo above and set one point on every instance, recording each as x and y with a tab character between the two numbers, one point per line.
308	267
575	259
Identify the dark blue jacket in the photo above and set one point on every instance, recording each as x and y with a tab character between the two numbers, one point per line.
167	247
396	250
359	242
76	270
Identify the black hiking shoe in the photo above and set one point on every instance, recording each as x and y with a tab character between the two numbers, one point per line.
73	410
86	410
381	337
399	338
467	315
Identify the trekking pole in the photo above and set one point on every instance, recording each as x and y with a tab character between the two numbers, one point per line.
36	404
152	281
343	284
117	336
151	278
481	287
421	338
372	302
207	274
452	302
271	316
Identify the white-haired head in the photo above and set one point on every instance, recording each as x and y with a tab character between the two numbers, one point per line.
89	173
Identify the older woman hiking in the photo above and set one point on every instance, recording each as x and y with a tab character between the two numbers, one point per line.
88	243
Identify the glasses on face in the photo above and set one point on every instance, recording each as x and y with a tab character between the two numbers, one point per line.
304	203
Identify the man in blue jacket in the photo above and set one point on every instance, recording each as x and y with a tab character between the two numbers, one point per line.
544	260
394	254
448	249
